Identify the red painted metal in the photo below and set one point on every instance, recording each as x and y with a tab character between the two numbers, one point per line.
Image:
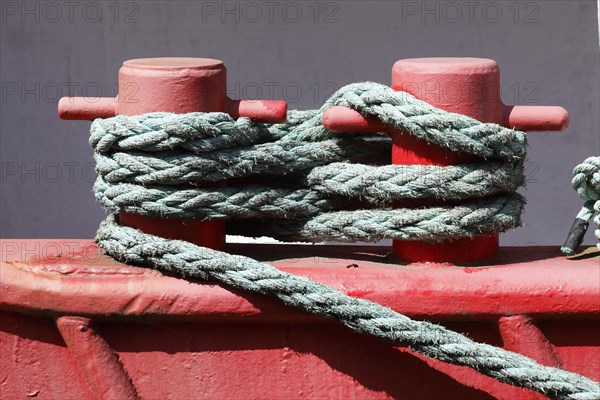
190	339
469	86
33	268
178	85
97	362
520	334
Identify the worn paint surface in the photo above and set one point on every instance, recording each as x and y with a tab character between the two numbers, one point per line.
183	339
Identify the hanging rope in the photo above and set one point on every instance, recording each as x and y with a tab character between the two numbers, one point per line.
297	180
586	181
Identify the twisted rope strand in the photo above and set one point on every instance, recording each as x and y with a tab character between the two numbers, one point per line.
268	158
403	111
132	246
195	132
215	203
486	216
385	183
400	110
331	187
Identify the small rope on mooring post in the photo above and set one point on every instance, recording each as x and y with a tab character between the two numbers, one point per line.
586	181
310	184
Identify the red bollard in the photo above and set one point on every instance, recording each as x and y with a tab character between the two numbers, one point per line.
469	86
177	85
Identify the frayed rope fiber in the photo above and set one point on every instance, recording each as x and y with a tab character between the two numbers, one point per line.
298	181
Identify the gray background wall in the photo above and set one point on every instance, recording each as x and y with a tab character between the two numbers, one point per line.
547	52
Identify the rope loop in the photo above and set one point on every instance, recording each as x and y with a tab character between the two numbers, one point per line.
308	183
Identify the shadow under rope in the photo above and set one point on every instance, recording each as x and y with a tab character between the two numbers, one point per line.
588	253
369	361
383	255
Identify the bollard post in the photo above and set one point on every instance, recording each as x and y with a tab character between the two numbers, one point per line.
176	85
469	86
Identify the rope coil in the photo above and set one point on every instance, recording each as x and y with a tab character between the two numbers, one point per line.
306	183
305	177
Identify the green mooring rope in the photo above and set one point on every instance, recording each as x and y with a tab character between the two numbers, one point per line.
298	181
303	176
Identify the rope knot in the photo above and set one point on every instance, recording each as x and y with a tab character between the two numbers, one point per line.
586	179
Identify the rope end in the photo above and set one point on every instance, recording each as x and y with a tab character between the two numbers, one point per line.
575	237
567	251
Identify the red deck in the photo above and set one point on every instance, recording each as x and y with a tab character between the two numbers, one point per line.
180	339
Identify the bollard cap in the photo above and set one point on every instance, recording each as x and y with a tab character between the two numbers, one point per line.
445	65
173	63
